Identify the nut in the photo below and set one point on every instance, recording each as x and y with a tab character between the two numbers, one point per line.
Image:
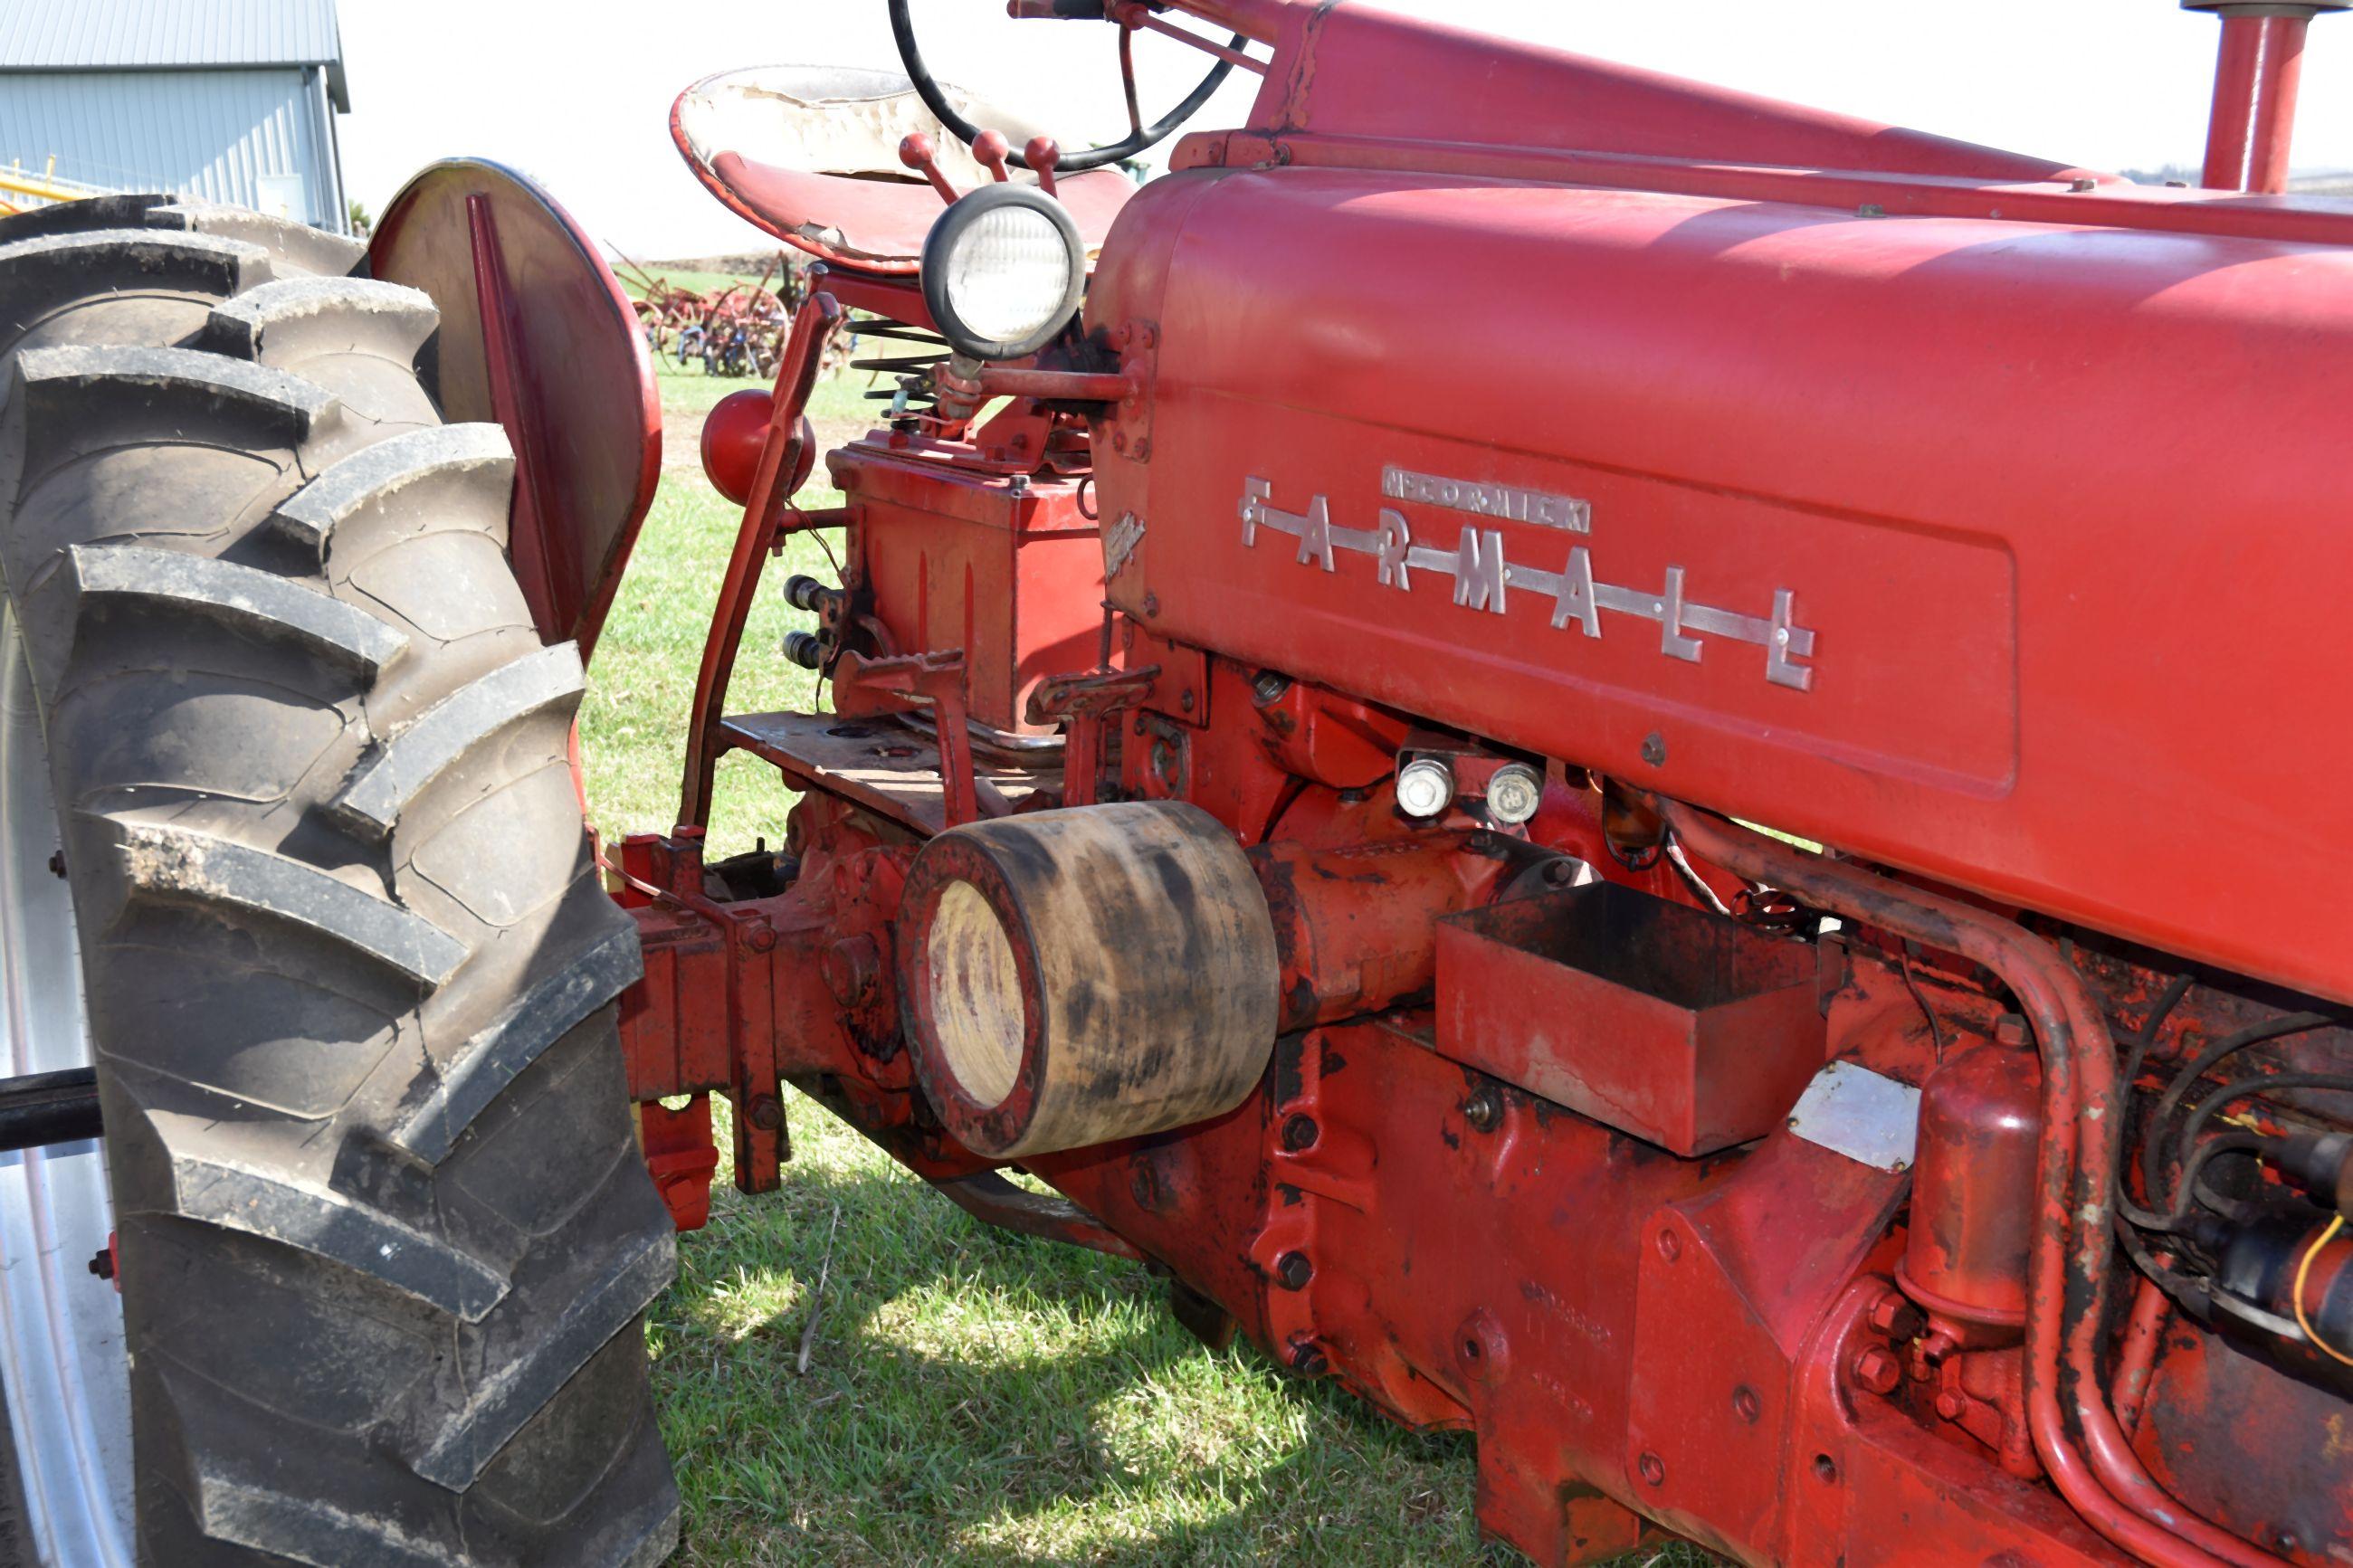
1877	1370
1896	1317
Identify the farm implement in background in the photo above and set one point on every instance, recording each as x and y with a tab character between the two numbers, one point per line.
736	330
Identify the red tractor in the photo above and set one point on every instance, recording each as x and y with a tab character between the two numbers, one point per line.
1286	787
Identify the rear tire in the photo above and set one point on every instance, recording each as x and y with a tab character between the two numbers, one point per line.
385	1241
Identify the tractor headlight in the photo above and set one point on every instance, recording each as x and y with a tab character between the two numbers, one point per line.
1003	270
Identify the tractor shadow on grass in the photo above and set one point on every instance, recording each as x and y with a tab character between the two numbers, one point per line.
976	1397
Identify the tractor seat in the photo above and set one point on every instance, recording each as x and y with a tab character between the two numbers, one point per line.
810	154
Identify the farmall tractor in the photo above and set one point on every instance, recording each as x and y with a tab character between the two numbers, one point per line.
1314	633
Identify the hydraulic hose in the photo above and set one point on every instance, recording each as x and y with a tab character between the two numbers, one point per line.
2067	1277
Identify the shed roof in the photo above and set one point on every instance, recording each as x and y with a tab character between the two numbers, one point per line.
171	34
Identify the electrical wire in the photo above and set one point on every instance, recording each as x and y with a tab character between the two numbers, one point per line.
2146	1038
2206	1109
2153	1140
1912	982
2303	1272
2170	1220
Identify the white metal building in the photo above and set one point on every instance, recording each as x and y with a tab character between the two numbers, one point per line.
232	100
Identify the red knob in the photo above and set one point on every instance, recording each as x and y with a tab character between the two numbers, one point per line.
990	149
1042	154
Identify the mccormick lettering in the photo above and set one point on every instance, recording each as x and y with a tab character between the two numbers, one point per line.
1489	501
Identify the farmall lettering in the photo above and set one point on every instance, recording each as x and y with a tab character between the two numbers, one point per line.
1482	576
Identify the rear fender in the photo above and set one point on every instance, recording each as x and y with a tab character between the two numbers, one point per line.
538	336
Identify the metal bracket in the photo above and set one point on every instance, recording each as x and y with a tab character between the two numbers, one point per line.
1084	703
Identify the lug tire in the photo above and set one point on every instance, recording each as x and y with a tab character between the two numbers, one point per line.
385	1239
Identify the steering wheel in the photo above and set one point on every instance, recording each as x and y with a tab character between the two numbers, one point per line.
1139	135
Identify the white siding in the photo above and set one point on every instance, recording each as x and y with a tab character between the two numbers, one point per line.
66	35
211	133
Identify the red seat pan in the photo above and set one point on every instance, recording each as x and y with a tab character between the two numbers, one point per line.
810	155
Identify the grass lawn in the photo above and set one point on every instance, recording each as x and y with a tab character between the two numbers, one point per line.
972	1396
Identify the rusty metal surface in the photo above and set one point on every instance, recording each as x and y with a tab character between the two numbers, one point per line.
1540	1178
1676	1025
883	764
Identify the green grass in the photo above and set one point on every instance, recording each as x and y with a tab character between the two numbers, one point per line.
972	1397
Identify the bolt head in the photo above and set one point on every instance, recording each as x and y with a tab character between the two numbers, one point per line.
1425	788
1877	1370
1654	749
1896	1317
1484	1110
1515	793
1299	1132
1293	1271
766	1112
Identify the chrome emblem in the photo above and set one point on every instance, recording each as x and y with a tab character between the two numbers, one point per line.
1482	577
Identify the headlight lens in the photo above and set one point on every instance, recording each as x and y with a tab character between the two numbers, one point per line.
1003	270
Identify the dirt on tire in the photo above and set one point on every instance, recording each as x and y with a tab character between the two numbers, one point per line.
385	1241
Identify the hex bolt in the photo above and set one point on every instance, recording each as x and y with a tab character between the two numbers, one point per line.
1654	749
1269	685
1654	1470
103	1264
1514	793
1309	1359
1897	1318
1425	788
765	1112
759	936
1485	1108
57	863
1877	1370
1299	1133
1293	1271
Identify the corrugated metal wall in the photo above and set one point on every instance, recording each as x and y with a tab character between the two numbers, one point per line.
213	133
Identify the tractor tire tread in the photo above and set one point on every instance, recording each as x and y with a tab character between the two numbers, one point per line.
351	973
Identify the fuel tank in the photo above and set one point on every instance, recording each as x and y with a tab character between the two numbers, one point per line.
2013	551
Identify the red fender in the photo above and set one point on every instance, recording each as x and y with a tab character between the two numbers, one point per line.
538	335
